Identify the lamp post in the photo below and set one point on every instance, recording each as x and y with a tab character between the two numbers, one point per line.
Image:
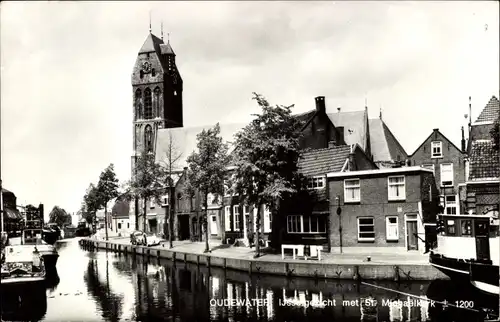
339	213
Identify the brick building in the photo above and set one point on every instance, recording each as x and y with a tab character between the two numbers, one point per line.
386	209
481	192
447	162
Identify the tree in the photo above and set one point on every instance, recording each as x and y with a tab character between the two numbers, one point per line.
495	134
58	216
172	157
91	204
146	184
207	168
107	189
265	157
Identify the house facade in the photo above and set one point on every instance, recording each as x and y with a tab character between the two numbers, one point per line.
384	210
481	191
447	162
306	219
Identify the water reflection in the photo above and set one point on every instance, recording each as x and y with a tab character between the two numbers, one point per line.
100	286
27	303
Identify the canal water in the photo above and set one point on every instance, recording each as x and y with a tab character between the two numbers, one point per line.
104	286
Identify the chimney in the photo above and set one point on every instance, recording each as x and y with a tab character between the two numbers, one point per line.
320	104
463	140
351	162
331	144
341	139
338	109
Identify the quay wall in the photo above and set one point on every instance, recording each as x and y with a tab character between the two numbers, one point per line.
312	269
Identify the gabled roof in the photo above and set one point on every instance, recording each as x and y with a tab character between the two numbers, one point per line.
121	208
384	145
151	44
490	112
428	137
484	161
184	140
321	161
355	126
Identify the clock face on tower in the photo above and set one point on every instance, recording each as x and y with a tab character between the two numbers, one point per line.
146	67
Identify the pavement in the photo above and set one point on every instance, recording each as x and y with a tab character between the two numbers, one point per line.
348	257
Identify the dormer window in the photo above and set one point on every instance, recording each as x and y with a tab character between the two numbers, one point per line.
316	183
437	149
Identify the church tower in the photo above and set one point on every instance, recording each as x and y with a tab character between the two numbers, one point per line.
157	93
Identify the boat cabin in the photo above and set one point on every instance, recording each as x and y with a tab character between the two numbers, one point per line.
469	237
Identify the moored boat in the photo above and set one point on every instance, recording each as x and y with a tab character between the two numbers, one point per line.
22	266
31	240
468	250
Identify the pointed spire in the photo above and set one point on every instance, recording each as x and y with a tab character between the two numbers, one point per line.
149	21
162	30
168	37
380	115
470	112
366	103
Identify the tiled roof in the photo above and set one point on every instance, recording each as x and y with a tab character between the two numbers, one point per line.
484	161
354	124
184	140
121	209
490	112
383	144
322	161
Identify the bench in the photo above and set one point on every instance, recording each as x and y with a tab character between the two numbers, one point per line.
298	248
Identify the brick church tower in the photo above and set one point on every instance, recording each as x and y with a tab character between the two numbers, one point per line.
157	94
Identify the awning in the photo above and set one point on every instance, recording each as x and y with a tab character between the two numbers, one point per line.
12	214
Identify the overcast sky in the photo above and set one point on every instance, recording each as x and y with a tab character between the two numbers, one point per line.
66	95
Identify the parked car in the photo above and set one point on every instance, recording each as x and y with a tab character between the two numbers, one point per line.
140	238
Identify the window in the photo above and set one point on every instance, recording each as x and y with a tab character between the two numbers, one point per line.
153	72
227	217
236	214
450	227
306	224
166	200
148	139
466	228
294	224
246	209
447	174
316	183
366	229
119	225
157	101
396	188
451	205
148	107
128	225
267	220
429	167
437	149
138	104
352	191
391	228
210	199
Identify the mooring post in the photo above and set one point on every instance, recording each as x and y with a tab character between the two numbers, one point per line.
396	274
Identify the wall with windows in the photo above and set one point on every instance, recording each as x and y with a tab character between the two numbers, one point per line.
373	208
440	155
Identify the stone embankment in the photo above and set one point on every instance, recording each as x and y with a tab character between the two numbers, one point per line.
353	266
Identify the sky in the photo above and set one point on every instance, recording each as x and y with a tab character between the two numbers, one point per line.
66	93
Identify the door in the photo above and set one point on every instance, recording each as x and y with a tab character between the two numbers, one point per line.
412	239
183	227
481	233
213	225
